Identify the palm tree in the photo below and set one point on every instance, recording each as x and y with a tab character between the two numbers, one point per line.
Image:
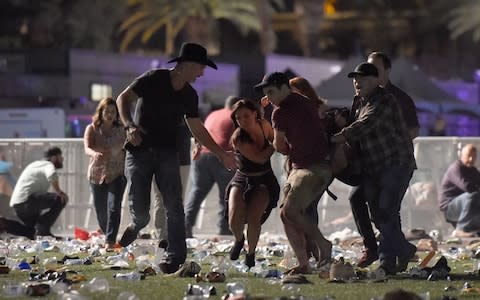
195	16
465	18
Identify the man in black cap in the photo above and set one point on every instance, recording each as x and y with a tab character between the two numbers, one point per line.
357	201
385	154
299	133
167	98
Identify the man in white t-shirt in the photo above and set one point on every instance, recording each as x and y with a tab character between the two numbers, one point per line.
34	205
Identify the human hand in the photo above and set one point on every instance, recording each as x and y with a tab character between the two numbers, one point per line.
197	148
62	197
229	160
98	155
133	136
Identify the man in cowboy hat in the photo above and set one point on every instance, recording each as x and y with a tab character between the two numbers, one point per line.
167	98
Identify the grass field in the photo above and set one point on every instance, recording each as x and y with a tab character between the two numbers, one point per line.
173	287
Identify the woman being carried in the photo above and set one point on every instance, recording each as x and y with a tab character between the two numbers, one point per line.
254	190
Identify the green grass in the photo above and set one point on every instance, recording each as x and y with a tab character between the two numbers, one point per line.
172	287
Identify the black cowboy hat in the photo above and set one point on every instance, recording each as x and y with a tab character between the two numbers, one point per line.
194	52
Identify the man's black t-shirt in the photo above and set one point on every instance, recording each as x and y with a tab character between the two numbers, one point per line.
162	108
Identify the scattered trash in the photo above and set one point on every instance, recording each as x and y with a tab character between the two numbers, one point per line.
131	276
295	279
97	285
35	290
127	296
341	270
188	269
13	289
201	290
236	289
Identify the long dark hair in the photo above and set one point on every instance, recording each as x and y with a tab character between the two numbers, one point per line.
97	117
240	134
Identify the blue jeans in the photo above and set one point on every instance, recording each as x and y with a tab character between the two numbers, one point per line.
384	193
140	166
107	199
465	211
204	172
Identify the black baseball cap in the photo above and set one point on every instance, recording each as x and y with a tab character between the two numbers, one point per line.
364	69
275	78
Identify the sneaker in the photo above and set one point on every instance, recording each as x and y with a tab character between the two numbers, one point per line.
368	258
47	233
402	261
112	247
163	243
388	268
237	248
250	260
129	235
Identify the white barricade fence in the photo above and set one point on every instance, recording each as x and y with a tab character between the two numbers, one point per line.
419	208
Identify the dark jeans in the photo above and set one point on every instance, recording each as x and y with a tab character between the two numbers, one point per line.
361	215
140	166
205	172
30	212
107	199
384	193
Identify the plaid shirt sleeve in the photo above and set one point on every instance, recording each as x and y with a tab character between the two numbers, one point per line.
382	135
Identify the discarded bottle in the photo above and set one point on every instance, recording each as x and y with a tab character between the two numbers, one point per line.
97	285
236	288
131	276
13	289
293	289
127	296
72	295
201	290
78	261
35	290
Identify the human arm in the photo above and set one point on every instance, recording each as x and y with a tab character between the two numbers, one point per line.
253	152
257	153
409	112
201	134
196	149
62	196
280	142
92	150
124	103
464	178
371	116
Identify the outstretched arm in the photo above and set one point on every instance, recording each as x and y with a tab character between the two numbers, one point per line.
124	103
200	133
